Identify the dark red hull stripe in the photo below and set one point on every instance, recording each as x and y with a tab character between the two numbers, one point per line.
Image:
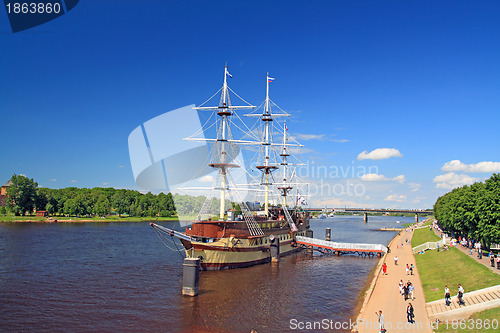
200	247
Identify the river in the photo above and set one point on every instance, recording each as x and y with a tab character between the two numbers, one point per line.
111	277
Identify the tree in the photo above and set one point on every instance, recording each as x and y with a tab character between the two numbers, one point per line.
21	195
120	202
102	206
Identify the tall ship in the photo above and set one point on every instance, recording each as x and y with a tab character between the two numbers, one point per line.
243	232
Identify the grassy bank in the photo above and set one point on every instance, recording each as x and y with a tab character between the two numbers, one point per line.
423	235
10	218
474	324
451	267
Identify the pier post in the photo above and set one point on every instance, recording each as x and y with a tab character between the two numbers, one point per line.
275	249
190	276
416	217
328	234
365	217
309	233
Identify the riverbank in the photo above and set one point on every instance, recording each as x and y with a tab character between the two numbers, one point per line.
366	292
63	219
383	293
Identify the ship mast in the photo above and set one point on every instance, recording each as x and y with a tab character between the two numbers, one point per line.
224	113
223	140
285	188
267	169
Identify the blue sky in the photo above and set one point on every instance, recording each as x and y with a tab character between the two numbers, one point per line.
419	77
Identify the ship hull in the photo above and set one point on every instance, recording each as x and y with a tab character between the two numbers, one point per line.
231	252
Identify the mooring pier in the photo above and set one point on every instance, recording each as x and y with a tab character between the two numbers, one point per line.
324	246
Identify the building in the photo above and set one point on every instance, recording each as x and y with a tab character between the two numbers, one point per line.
3	193
42	213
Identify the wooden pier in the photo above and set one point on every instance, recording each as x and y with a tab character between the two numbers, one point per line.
324	246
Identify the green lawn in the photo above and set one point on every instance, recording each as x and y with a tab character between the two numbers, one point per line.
452	267
474	324
423	235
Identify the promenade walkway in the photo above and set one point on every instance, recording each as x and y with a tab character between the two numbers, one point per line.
383	293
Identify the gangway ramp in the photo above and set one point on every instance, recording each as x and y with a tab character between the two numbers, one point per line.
339	248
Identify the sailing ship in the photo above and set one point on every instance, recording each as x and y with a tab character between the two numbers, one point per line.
231	241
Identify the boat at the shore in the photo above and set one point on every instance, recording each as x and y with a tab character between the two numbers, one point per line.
245	237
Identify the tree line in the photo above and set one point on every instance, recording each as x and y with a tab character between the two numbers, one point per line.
25	197
472	211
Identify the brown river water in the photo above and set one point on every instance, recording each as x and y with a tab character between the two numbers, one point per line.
112	277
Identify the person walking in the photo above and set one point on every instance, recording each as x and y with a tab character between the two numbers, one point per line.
380	321
384	268
460	295
407	269
411	269
410	291
395	260
498	261
492	259
409	313
405	291
447	295
401	284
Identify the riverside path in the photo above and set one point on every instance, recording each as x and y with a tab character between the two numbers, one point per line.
383	293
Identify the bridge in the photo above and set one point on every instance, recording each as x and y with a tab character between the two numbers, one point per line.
325	246
365	211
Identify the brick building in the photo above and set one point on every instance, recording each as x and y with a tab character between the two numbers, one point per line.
3	193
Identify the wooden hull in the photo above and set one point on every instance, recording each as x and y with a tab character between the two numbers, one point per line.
232	252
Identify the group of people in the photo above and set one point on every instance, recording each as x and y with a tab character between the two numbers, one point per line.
409	269
406	290
460	295
493	259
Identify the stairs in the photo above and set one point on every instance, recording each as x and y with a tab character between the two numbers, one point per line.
477	300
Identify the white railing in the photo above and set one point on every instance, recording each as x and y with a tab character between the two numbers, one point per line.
428	246
341	246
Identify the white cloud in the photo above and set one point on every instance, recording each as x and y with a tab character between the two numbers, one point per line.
379	154
74	181
451	180
414	187
206	179
418	199
395	197
340	140
400	179
306	137
373	177
105	183
335	203
53	180
121	166
486	166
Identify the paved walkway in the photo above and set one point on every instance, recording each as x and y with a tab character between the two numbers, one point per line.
384	295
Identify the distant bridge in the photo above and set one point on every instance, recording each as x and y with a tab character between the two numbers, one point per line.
371	210
365	211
